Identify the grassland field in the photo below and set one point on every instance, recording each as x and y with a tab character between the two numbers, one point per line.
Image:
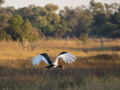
96	68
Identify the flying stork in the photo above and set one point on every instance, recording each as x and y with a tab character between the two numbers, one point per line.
67	57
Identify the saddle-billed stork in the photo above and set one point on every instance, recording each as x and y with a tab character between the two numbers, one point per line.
67	57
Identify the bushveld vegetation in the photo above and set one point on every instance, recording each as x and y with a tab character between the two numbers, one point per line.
34	22
96	68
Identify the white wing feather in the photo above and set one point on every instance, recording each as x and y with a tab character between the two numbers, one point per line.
67	58
37	59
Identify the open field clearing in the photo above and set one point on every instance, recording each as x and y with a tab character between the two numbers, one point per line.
96	68
11	51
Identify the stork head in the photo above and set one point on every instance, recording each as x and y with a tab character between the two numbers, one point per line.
61	67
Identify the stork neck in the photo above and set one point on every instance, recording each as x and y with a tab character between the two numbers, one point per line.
56	62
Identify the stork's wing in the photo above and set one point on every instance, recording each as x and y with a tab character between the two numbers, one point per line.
67	57
37	59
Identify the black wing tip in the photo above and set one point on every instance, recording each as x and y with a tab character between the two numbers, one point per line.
63	52
47	57
43	53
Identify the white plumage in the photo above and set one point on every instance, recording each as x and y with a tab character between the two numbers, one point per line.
67	58
38	58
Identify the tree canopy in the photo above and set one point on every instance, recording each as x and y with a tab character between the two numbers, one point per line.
33	21
1	2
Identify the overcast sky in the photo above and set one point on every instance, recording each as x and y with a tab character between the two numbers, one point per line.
60	3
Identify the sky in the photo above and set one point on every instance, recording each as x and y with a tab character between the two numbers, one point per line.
61	3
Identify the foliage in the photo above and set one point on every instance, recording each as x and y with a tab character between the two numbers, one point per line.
4	36
26	29
99	19
106	19
108	28
1	2
115	34
20	30
4	18
14	28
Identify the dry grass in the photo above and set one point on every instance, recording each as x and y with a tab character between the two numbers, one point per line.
11	51
96	68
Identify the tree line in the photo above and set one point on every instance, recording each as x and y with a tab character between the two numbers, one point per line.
35	22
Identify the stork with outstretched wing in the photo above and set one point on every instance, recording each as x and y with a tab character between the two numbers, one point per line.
67	57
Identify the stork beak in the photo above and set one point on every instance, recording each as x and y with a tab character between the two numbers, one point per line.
63	68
